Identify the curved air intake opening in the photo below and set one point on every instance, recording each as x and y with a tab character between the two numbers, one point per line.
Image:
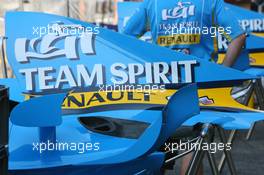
114	127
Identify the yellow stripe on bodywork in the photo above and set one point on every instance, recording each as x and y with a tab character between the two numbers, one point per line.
259	34
257	59
221	98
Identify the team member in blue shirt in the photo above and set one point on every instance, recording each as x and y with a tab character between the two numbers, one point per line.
190	26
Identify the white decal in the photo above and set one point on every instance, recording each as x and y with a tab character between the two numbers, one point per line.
47	78
182	10
45	48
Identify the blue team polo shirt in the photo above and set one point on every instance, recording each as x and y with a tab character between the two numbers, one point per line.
185	24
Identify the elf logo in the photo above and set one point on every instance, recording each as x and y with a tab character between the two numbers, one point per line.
49	46
182	10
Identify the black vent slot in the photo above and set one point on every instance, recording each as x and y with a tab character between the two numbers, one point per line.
114	127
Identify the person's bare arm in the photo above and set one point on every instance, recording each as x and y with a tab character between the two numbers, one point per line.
234	49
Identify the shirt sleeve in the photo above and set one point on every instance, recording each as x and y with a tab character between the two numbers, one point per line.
137	24
225	18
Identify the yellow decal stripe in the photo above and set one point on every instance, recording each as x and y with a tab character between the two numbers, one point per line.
221	97
259	34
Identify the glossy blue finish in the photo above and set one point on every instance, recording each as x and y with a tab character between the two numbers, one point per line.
112	150
227	120
71	131
147	165
23	157
47	134
259	72
255	43
39	112
181	106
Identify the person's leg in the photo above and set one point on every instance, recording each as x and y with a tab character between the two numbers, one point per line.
185	134
185	164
